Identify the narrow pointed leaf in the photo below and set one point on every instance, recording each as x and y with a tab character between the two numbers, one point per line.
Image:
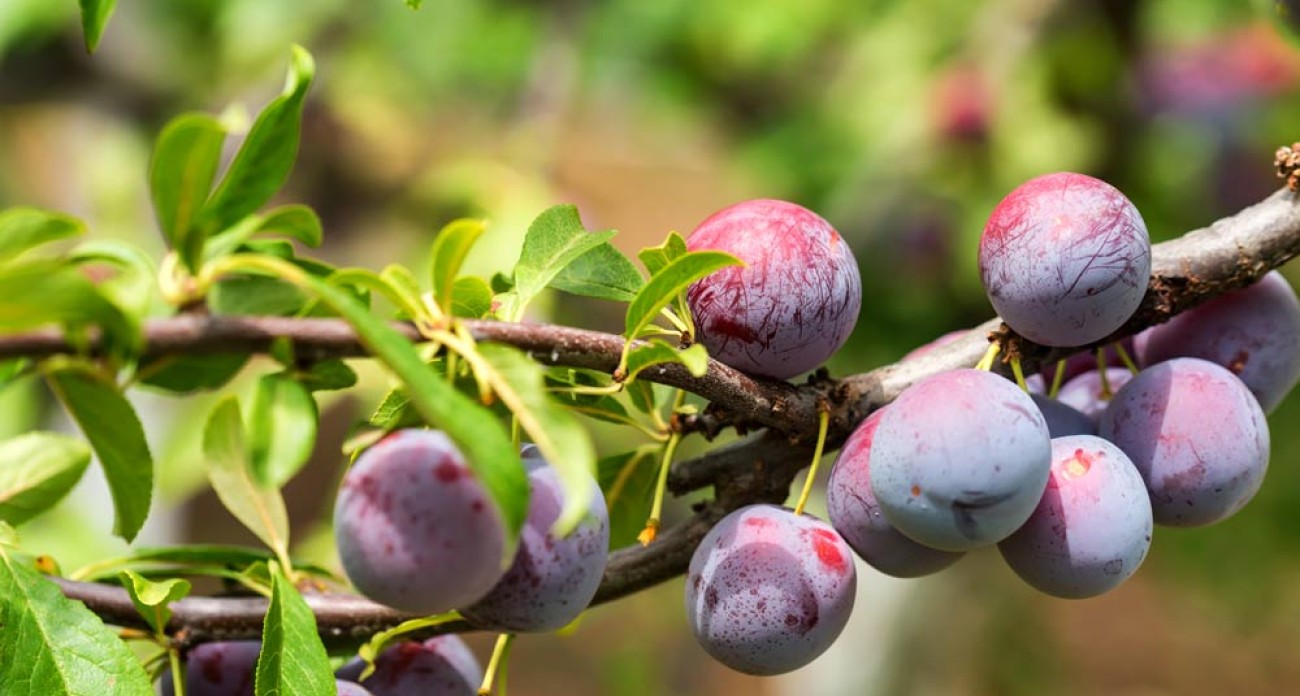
670	280
450	248
94	16
181	171
282	428
257	507
293	661
36	471
54	645
26	228
117	437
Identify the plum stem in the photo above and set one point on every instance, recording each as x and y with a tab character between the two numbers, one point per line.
651	530
497	665
178	677
986	362
1106	393
1125	358
1019	373
1057	377
823	424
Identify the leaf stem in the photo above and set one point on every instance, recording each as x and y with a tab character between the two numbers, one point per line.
823	423
497	665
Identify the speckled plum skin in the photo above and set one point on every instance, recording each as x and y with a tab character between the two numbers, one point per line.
960	459
1065	259
224	668
440	666
1084	392
768	591
415	529
793	304
1254	332
1092	528
347	688
1196	435
855	514
1062	419
552	580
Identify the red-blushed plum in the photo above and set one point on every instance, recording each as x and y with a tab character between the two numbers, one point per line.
225	668
1065	259
1196	435
855	514
791	306
1063	419
1086	394
552	579
1091	530
347	688
439	666
960	459
415	529
768	591
1254	332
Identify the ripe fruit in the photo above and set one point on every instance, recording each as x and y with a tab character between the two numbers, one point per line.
415	530
1254	332
1085	391
1091	530
552	579
347	688
217	669
768	591
440	666
960	459
1197	436
855	514
1065	259
1062	419
793	304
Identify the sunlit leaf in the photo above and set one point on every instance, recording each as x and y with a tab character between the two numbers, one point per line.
22	229
554	240
181	171
670	280
152	597
281	428
258	507
656	352
602	272
94	16
293	661
36	471
450	248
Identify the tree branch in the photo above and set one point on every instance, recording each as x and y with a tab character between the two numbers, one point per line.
1230	254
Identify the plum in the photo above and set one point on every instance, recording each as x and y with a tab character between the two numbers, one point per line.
1085	392
347	688
224	668
768	591
439	666
791	306
552	578
1063	419
415	529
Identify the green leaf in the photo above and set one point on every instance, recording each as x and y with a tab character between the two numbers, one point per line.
391	286
480	437
45	292
371	649
25	228
152	597
658	351
518	382
94	15
400	278
642	395
281	427
395	411
554	240
603	272
327	375
54	645
266	157
295	222
115	433
628	480
256	296
670	280
414	4
184	374
181	171
655	258
260	508
450	248
36	471
133	286
8	535
471	298
293	661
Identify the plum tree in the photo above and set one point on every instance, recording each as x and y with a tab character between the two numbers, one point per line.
1065	259
855	514
768	591
1091	530
795	301
553	578
415	529
960	459
1200	464
439	666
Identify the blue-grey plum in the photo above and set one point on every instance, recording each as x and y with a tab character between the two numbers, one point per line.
415	528
791	306
1063	419
439	666
347	688
960	459
225	668
855	514
1065	259
1091	530
1196	435
552	578
1253	332
1086	393
768	591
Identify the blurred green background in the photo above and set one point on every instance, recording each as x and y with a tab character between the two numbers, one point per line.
903	123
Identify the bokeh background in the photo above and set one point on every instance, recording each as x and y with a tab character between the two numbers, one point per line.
903	123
